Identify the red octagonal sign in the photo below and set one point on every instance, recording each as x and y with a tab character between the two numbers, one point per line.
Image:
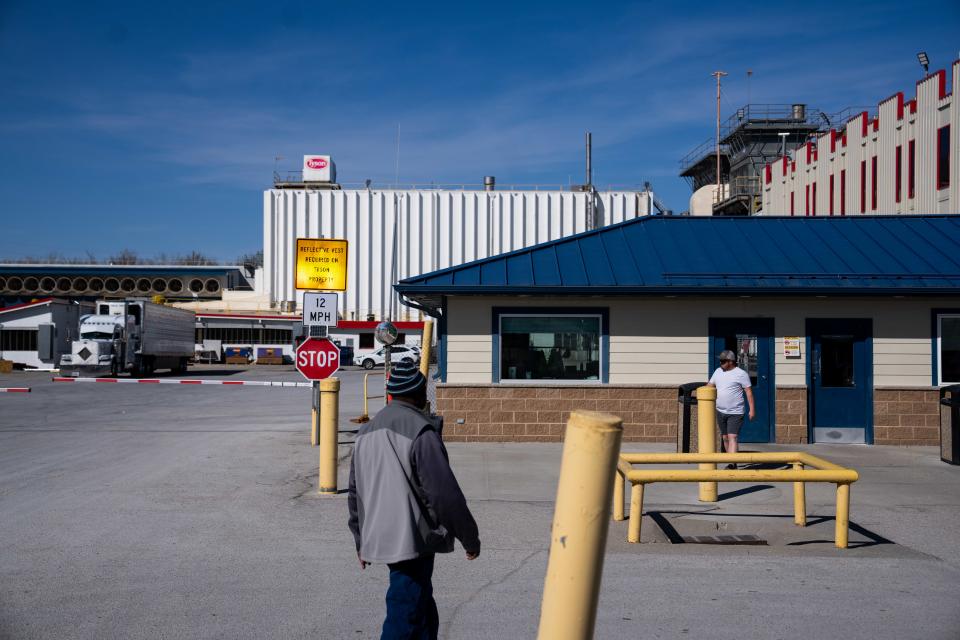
318	358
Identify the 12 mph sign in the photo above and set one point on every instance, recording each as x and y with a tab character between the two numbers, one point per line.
318	358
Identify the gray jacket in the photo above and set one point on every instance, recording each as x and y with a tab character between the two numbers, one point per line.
404	499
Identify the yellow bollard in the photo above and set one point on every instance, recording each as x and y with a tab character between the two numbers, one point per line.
636	512
618	485
580	523
799	499
329	409
706	437
843	515
425	347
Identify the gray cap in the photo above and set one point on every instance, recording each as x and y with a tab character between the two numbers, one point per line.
727	355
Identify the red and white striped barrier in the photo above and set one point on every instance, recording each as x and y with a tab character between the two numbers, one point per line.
249	383
14	389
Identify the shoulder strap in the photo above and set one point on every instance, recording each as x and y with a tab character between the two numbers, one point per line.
413	488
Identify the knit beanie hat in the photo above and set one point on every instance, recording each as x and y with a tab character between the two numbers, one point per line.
405	379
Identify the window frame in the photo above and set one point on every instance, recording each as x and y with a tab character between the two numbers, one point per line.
936	316
536	311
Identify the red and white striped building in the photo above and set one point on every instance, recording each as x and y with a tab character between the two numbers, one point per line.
905	159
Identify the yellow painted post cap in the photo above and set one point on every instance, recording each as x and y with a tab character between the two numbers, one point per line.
330	384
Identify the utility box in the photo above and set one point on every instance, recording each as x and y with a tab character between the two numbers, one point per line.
687	417
46	338
950	424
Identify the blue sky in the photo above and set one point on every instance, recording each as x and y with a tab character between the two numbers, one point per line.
155	126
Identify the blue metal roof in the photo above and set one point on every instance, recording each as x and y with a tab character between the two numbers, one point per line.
761	255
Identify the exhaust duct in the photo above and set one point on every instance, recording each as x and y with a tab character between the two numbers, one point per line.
48	284
128	285
80	284
159	285
96	285
143	285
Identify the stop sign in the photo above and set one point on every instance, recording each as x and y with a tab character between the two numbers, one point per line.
318	358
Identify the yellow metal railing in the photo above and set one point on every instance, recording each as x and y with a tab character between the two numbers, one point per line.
366	397
804	468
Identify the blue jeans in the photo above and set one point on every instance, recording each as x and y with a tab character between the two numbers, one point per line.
411	610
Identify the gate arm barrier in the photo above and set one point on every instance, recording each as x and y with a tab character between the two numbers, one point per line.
819	470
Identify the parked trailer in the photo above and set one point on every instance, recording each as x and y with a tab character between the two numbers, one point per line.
135	336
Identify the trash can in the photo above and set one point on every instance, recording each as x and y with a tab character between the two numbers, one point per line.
687	417
950	424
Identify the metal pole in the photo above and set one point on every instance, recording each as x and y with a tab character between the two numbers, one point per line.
314	414
591	223
706	437
636	512
843	516
619	482
580	524
329	410
718	75
799	499
425	346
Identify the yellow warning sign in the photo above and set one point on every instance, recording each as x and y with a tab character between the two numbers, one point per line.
321	264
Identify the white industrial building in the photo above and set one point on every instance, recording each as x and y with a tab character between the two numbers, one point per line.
396	234
904	160
36	334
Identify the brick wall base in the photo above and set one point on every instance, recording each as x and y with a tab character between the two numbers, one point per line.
791	415
906	417
504	413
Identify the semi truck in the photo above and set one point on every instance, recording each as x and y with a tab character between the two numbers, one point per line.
135	336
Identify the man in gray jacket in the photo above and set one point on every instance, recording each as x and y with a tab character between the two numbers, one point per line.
405	503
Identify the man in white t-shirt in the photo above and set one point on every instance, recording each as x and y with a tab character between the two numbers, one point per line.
732	384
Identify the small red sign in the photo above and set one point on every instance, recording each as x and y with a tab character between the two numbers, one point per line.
317	163
317	358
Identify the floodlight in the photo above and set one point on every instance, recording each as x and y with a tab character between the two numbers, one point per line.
924	61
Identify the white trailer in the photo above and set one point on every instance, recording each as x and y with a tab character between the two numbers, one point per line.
135	336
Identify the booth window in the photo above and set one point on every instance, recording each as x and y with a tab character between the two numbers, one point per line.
550	346
948	347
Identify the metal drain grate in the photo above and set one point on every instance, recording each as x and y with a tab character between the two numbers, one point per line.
725	539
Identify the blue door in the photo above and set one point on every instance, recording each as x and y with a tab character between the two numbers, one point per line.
752	340
840	370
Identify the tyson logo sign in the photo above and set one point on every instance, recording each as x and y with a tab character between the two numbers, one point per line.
317	163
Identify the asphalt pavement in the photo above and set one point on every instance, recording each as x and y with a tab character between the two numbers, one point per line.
179	511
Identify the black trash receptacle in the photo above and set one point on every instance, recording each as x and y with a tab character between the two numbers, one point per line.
950	424
686	415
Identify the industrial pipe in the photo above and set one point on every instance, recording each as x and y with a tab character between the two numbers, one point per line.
3	284
15	283
30	283
212	285
48	284
159	285
580	523
175	285
64	284
128	285
143	285
80	284
196	285
706	437
96	285
329	412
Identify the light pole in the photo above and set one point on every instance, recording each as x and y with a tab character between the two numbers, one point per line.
718	75
783	143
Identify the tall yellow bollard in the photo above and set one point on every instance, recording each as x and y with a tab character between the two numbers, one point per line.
425	346
843	516
329	409
580	522
799	499
706	437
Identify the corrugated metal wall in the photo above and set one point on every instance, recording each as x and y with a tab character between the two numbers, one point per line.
435	229
847	155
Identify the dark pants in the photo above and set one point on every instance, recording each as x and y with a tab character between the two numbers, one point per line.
411	610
